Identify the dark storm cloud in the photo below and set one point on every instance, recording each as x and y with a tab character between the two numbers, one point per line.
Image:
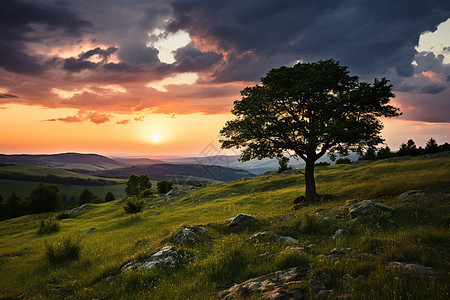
4	96
28	21
81	63
369	36
432	89
190	59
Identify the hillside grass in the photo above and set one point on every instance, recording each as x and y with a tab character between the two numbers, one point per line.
409	233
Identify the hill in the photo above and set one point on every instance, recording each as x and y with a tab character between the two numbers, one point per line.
70	161
138	161
382	233
174	171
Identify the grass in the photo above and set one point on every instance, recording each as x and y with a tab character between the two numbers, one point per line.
416	231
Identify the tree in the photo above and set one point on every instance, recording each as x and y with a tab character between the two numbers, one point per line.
283	164
409	148
384	153
86	196
309	109
431	147
369	154
45	198
109	197
137	184
164	186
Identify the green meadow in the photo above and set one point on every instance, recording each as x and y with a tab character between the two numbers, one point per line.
416	230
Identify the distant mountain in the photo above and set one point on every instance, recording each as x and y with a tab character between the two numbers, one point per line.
173	171
69	161
138	161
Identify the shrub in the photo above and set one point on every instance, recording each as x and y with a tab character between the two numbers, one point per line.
322	164
164	186
133	205
45	198
97	200
47	226
62	216
283	164
137	184
67	250
146	193
109	197
342	161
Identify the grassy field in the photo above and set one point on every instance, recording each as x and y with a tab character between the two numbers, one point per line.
412	232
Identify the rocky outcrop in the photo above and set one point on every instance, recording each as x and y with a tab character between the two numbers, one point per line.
80	208
341	233
414	270
242	221
167	257
366	208
189	235
284	284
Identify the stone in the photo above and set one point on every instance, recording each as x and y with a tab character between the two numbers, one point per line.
410	193
188	235
265	255
325	293
341	233
89	231
366	208
315	286
165	257
340	251
156	213
266	236
243	220
415	270
310	246
79	208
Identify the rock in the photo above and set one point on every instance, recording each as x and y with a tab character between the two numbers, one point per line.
165	257
156	213
89	231
325	293
340	251
341	233
242	220
13	254
352	201
414	270
294	248
310	246
363	278
265	255
410	193
80	208
315	286
110	278
277	287
266	236
188	235
366	208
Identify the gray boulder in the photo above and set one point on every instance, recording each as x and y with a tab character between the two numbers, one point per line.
366	208
165	257
242	221
414	270
80	208
341	233
188	235
266	236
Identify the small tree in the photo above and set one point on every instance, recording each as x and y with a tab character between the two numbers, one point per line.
164	186
343	161
384	153
133	205
431	147
309	109
137	184
369	154
45	198
409	148
109	197
86	196
146	193
283	164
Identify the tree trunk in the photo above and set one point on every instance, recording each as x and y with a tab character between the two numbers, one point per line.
310	182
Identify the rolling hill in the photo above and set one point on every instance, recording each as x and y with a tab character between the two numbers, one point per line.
173	171
70	161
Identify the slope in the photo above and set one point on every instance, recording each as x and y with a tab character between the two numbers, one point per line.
414	228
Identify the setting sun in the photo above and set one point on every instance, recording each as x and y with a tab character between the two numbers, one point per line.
155	138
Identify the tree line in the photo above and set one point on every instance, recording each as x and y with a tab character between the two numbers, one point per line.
406	149
50	178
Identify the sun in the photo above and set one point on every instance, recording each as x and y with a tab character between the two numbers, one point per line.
155	138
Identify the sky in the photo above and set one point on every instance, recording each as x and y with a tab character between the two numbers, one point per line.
159	77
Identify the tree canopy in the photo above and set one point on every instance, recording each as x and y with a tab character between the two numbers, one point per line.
307	110
137	184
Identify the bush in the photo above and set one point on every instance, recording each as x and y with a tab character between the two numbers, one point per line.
62	216
146	193
133	205
47	226
97	200
164	186
322	164
283	164
45	198
109	197
343	161
67	250
137	184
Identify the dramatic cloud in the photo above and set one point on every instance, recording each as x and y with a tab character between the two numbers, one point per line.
110	57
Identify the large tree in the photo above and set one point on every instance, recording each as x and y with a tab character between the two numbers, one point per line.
308	110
